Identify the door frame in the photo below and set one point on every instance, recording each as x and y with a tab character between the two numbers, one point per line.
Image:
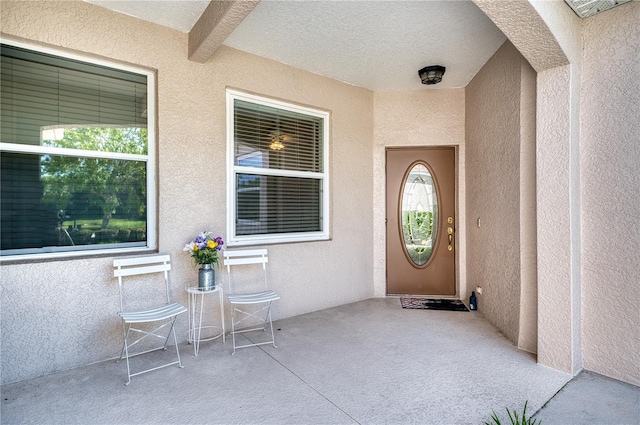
380	278
440	163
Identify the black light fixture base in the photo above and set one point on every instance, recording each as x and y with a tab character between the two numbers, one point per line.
431	74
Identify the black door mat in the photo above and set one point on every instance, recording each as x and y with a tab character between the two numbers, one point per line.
433	304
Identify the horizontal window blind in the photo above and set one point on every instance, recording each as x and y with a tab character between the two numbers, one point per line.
54	200
42	92
291	140
272	204
278	171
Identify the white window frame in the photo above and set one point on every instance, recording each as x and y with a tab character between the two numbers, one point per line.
233	170
149	159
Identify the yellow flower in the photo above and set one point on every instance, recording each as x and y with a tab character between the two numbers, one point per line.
195	248
211	244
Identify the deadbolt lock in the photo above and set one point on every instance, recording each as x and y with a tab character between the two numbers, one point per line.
449	230
449	220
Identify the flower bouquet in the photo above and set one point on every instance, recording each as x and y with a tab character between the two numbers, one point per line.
204	248
204	251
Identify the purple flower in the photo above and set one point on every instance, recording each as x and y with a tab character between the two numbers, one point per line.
204	248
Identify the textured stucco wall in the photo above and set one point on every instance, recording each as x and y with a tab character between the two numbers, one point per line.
610	140
62	314
493	136
559	124
528	333
555	312
428	117
547	34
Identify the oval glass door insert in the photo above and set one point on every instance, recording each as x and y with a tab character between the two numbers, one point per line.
419	214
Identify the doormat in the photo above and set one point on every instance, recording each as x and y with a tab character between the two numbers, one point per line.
433	304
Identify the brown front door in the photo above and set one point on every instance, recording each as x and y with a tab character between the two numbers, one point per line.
421	221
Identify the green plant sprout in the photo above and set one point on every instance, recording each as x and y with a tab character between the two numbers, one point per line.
514	418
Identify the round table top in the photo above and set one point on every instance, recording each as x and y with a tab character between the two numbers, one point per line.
198	290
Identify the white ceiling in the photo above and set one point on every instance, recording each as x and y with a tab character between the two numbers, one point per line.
375	44
178	14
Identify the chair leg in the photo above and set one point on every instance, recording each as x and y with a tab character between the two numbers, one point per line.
166	341
267	318
175	341
273	338
125	349
233	328
125	332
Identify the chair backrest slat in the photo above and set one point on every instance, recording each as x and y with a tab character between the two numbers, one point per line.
244	253
137	266
245	257
251	260
138	261
132	271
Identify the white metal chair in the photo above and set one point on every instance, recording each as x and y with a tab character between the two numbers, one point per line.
160	314
248	305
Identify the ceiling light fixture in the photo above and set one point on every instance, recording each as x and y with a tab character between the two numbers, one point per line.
276	145
276	142
431	74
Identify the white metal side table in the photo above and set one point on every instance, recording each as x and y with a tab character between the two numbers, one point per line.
196	311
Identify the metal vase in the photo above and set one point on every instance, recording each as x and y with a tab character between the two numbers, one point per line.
206	277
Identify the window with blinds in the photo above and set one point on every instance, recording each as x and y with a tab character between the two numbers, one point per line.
76	167
277	155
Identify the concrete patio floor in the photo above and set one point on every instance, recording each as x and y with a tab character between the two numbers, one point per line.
370	362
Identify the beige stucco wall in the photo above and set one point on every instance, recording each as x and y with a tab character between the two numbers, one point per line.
528	332
557	321
559	209
62	314
547	34
497	127
610	141
586	148
427	117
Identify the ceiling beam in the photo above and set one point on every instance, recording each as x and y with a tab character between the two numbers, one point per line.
217	22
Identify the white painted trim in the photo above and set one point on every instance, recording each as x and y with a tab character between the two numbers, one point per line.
80	153
79	57
277	172
150	159
89	250
152	163
231	208
232	171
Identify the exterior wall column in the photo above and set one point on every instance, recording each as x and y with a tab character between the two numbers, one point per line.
547	34
559	342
